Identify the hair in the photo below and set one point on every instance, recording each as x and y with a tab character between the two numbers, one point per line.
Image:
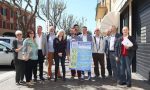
39	26
64	36
96	30
18	32
84	27
75	25
28	32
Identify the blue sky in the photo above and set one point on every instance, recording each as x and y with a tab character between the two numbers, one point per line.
81	8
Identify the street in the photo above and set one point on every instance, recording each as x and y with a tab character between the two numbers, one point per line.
8	82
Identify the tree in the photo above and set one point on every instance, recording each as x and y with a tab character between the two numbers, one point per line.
24	7
52	11
66	22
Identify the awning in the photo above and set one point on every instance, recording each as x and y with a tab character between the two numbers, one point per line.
111	18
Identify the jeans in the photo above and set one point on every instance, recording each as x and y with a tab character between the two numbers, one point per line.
126	69
115	66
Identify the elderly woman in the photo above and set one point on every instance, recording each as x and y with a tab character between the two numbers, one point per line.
60	45
31	48
19	62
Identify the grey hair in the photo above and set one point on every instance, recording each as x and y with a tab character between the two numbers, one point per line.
18	32
64	36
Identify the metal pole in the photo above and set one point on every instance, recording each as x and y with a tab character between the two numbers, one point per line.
47	9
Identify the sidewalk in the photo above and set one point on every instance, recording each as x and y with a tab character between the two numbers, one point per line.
138	83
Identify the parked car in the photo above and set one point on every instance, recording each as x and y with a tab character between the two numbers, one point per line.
6	54
7	39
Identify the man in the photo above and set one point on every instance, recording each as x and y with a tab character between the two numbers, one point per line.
115	65
50	55
108	33
76	27
73	37
124	54
85	37
98	53
42	47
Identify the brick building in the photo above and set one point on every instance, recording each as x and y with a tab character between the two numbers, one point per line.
8	19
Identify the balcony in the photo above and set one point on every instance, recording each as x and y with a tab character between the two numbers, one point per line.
101	10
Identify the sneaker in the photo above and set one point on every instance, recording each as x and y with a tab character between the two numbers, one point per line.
123	83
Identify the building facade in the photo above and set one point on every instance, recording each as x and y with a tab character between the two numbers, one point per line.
9	19
135	14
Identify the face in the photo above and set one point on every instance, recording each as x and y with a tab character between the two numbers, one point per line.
113	29
76	28
39	29
125	31
52	29
108	32
84	30
61	34
97	32
19	35
31	34
72	31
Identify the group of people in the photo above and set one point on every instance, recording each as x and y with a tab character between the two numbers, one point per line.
56	47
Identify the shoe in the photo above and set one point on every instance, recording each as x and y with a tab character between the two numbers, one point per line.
35	80
17	83
96	77
49	77
129	85
123	83
103	76
42	78
72	78
55	79
60	77
64	79
29	83
23	82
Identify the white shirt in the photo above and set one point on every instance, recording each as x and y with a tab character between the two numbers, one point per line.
84	38
39	41
112	42
97	42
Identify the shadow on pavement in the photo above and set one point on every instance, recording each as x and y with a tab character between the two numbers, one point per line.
98	84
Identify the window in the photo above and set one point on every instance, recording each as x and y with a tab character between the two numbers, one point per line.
12	26
2	47
4	24
12	13
5	40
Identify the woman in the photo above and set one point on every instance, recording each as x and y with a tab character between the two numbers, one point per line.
31	48
19	62
60	45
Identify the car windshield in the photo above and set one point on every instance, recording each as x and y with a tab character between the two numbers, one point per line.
5	40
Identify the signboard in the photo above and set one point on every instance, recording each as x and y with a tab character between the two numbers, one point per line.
80	55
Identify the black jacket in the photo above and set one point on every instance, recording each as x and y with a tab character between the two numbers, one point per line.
59	46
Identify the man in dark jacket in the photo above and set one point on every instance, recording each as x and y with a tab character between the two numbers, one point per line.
125	48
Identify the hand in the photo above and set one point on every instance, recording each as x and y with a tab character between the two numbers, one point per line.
17	50
126	47
60	54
